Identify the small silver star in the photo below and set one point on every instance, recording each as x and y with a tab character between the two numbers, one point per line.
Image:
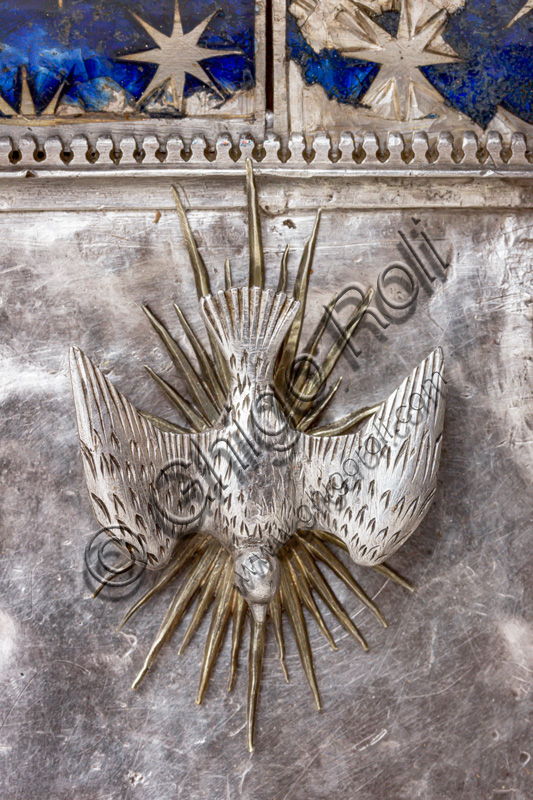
400	91
176	56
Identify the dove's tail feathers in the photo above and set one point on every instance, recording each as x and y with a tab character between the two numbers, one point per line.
250	324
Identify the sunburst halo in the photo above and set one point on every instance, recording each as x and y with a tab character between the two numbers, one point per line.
205	566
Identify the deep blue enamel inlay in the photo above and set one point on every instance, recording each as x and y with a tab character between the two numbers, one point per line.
344	79
496	67
78	41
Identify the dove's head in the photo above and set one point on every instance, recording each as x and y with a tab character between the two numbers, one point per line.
257	576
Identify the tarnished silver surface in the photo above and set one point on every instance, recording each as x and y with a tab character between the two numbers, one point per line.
372	488
440	706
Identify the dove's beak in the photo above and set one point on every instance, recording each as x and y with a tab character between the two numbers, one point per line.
259	610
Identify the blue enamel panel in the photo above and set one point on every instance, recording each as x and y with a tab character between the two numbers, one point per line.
494	69
77	44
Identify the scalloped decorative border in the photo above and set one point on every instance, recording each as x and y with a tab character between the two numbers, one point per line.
393	153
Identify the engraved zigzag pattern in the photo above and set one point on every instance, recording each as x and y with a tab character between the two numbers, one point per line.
122	479
383	478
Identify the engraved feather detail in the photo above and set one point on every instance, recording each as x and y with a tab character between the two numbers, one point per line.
373	488
125	457
245	497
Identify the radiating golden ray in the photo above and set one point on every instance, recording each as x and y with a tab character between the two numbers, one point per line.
289	348
343	425
321	586
207	369
217	629
110	576
293	608
164	424
385	570
302	373
194	417
209	411
306	596
282	282
319	550
305	388
208	591
228	281
201	277
320	377
187	551
239	609
205	566
275	612
255	669
176	610
255	244
308	418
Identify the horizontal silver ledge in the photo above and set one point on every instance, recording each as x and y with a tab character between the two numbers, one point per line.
391	154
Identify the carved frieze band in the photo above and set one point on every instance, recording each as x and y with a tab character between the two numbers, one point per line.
359	152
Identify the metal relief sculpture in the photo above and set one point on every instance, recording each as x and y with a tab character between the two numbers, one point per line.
404	65
250	494
90	62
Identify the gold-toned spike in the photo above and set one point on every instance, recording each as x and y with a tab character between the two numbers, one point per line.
217	629
219	377
201	277
321	586
345	423
206	595
319	550
206	366
177	608
164	424
302	373
275	612
111	575
304	591
239	607
198	422
303	388
316	337
255	669
308	418
330	537
206	558
385	570
292	340
293	608
188	549
315	383
228	282
185	368
255	244
282	282
201	280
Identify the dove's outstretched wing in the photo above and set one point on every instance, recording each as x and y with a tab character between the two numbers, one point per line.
147	486
373	488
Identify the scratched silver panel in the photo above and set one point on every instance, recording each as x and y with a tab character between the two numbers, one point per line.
440	707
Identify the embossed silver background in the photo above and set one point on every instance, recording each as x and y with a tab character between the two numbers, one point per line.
440	707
